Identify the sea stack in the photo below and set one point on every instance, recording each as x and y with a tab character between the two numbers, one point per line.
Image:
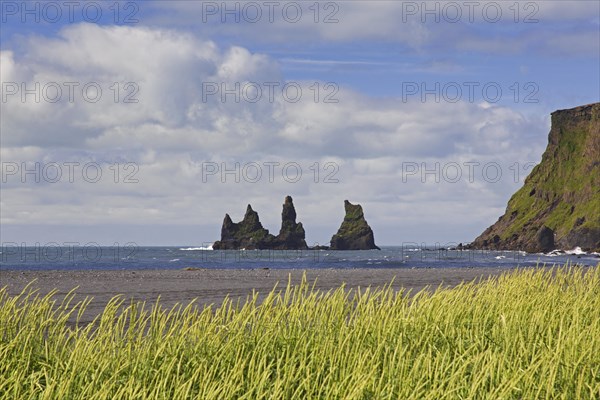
249	234
559	203
291	235
354	233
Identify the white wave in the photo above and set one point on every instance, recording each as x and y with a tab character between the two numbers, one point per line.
576	251
500	257
174	260
197	248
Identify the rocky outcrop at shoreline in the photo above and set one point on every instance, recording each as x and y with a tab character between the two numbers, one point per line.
246	234
559	203
354	233
291	235
249	233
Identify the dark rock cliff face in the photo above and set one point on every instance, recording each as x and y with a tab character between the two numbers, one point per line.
354	233
559	203
291	235
249	234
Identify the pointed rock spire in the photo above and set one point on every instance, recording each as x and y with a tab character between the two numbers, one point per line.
291	235
248	234
354	233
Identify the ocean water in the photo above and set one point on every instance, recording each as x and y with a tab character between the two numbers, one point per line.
139	257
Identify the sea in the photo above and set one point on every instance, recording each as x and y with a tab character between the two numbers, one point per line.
134	257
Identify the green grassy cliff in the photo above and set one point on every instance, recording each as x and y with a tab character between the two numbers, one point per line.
559	203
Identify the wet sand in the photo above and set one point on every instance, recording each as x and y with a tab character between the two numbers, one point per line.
211	286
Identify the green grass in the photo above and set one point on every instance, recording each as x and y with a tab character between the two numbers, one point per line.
528	334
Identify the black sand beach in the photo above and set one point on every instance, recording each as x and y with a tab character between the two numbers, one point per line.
211	286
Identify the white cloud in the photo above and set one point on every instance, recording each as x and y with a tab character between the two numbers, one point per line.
171	132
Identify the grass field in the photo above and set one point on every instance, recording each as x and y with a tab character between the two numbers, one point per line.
528	334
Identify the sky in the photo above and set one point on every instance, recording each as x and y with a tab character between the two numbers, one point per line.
147	121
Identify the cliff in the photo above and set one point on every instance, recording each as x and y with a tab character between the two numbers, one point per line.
559	203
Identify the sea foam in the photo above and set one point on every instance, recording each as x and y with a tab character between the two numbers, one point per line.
197	248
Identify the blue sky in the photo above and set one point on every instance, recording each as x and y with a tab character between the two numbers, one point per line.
377	59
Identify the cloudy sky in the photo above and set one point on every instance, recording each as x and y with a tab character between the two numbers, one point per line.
147	121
